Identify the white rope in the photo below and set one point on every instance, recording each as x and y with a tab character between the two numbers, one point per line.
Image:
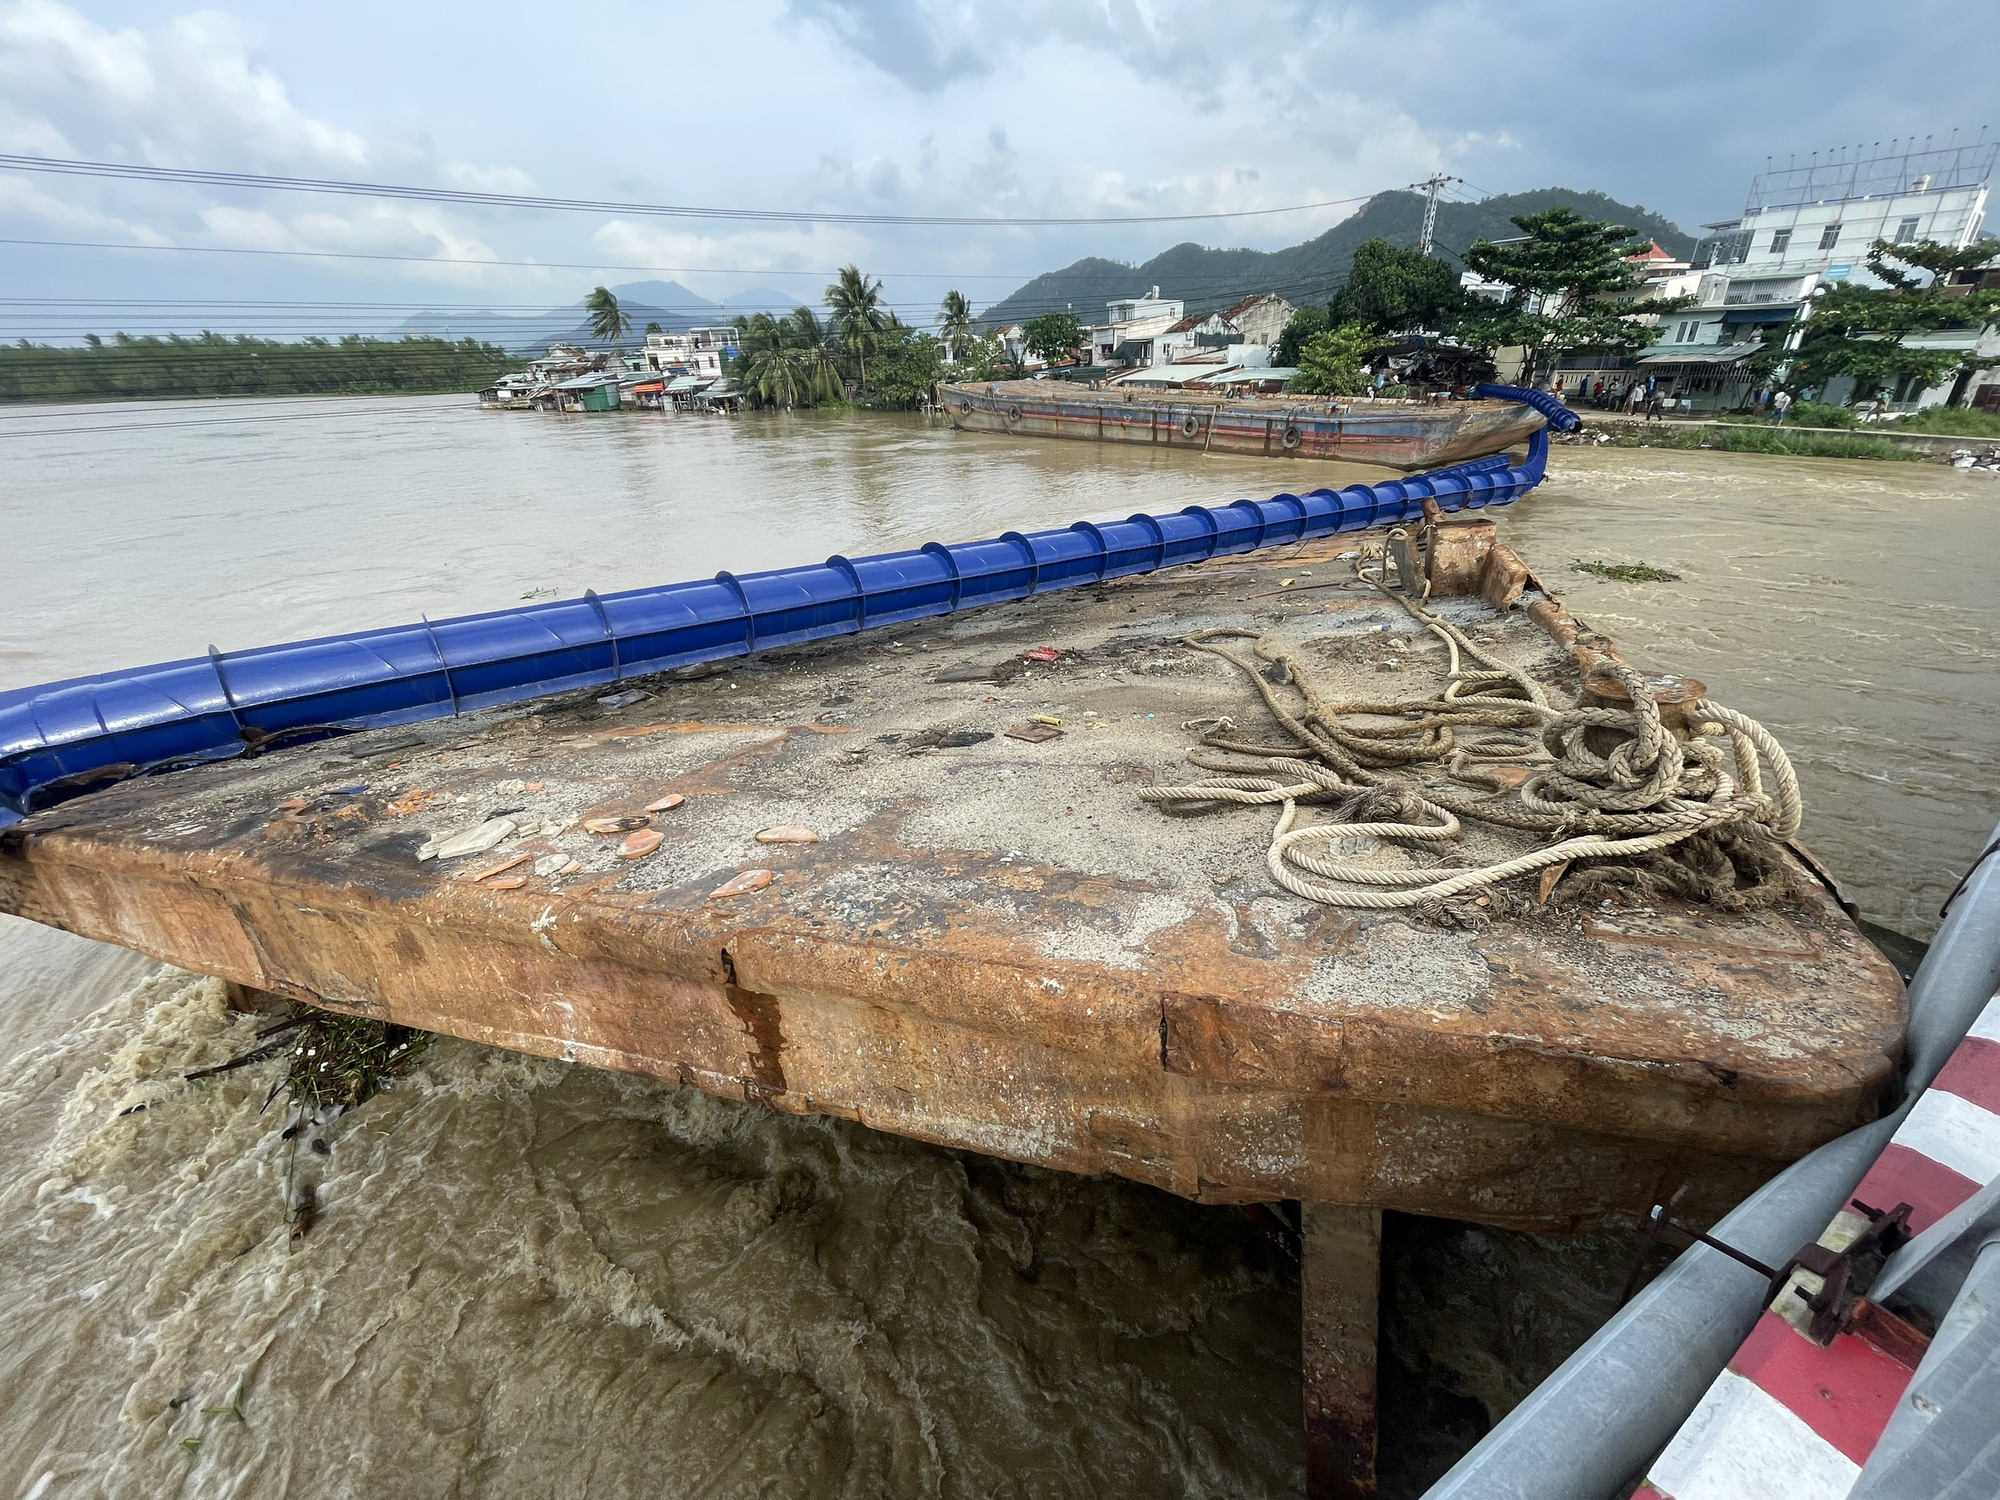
1649	793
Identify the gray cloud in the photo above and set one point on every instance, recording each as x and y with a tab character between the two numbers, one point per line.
924	45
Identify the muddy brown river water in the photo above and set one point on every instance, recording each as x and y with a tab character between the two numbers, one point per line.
531	1279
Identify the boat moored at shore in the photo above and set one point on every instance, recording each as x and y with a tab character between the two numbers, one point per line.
1402	434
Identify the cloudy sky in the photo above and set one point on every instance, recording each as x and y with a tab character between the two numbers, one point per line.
1071	108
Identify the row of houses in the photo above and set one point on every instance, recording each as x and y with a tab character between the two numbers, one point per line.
1153	342
682	371
1755	276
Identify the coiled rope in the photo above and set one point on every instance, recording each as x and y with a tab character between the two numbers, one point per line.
1648	793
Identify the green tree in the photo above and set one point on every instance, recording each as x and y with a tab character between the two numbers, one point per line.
1304	324
211	365
1053	336
1395	289
986	358
786	362
607	319
858	316
1863	332
908	362
956	325
1558	278
653	328
1330	363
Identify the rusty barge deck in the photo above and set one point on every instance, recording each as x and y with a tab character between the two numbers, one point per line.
994	944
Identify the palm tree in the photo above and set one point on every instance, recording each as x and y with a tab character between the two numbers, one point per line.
813	348
786	362
956	325
856	301
607	318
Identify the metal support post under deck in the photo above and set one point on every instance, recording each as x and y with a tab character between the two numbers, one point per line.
1340	1277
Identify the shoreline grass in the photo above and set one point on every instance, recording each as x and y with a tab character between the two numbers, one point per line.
1772	440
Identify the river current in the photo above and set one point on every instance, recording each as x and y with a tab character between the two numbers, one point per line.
533	1279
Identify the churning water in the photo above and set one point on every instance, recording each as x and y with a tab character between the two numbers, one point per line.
532	1279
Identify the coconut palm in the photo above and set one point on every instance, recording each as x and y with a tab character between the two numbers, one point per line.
814	348
786	362
956	325
607	318
856	301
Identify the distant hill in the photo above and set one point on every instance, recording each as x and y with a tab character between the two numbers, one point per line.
1209	279
663	296
667	303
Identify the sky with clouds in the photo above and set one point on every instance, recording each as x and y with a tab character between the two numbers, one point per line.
1094	108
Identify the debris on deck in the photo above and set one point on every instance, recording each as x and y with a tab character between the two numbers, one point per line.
911	880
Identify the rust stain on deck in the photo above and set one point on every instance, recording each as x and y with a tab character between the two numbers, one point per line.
996	946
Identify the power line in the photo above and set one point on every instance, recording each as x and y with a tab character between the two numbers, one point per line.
525	265
136	172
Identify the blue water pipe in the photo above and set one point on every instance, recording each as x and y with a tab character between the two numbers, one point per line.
66	738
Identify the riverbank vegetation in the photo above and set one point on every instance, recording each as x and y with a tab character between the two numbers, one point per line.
1952	421
211	364
1565	284
1732	438
1942	421
862	355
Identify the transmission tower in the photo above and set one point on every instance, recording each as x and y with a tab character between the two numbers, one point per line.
1429	187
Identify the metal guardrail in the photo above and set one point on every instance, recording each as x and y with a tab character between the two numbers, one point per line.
1593	1425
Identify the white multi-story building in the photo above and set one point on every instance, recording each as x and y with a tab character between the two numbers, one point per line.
696	351
1802	228
1151	305
1130	327
1820	220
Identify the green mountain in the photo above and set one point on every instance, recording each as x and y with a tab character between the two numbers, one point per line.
1209	279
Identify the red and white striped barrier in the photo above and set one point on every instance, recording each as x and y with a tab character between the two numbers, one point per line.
1791	1419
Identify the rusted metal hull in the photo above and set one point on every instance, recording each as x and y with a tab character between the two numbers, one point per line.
996	946
1340	1287
1402	434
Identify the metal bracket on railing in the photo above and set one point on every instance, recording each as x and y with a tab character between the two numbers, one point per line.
1837	1303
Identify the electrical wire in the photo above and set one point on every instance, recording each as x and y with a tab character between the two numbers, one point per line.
526	265
137	172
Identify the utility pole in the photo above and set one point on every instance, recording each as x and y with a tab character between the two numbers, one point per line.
1429	186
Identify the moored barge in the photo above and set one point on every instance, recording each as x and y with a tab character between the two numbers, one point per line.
1403	434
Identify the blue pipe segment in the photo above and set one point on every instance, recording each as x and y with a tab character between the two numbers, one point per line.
62	739
1560	416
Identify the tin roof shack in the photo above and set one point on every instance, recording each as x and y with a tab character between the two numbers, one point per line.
510	392
597	391
1251	380
643	392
